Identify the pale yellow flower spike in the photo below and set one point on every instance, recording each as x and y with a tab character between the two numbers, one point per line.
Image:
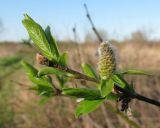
107	60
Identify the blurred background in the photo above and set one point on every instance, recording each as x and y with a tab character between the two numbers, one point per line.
133	27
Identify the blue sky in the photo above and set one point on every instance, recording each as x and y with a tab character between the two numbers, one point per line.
118	17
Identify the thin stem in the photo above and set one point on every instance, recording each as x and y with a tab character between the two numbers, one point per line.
79	75
145	99
92	24
137	96
76	74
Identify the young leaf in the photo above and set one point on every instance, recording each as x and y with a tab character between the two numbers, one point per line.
82	93
30	70
135	72
50	70
38	36
45	91
42	85
40	81
52	43
117	78
32	73
63	59
88	70
106	87
87	106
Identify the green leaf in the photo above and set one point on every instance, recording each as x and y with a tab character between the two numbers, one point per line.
87	106
135	72
40	81
30	70
63	59
106	87
38	36
118	79
43	85
82	93
50	70
44	90
52	43
88	70
32	73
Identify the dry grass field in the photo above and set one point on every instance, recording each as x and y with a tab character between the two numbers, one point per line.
20	107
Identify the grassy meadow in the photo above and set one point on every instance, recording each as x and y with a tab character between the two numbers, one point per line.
20	107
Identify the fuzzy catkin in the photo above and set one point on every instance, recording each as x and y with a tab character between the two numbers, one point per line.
107	60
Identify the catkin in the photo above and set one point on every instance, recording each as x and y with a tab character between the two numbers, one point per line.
107	60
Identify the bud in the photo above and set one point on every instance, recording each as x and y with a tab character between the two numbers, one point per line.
107	60
41	59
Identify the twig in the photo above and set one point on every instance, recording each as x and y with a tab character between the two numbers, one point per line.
79	75
137	96
92	24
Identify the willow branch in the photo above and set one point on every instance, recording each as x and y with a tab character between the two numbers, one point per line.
92	24
78	75
137	96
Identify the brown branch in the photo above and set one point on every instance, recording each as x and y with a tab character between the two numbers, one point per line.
137	96
92	24
78	75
